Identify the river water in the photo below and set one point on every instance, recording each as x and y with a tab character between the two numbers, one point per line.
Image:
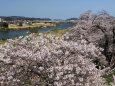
15	33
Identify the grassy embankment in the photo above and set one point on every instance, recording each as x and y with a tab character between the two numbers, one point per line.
58	32
33	25
2	41
27	26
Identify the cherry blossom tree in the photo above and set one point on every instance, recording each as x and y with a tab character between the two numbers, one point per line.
49	60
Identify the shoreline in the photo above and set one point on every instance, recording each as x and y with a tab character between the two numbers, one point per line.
25	26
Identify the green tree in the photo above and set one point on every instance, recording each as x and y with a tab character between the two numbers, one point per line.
4	25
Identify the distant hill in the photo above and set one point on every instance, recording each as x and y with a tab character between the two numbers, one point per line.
15	18
72	19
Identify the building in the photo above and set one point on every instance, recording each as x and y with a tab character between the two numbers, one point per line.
1	20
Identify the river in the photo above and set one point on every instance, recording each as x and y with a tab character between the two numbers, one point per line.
22	32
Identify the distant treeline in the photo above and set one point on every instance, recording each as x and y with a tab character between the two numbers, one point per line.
15	18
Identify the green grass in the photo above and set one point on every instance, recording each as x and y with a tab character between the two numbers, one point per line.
3	41
3	29
27	83
109	77
58	32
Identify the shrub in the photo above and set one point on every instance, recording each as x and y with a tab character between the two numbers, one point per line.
4	25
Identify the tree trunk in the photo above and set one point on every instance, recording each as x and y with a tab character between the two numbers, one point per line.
113	50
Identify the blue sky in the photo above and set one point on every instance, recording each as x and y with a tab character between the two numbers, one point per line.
60	9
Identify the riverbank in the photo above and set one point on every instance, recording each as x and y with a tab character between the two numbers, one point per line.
28	26
57	32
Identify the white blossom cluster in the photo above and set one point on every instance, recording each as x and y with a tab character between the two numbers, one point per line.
47	60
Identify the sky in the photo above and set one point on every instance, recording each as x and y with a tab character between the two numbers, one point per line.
54	9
